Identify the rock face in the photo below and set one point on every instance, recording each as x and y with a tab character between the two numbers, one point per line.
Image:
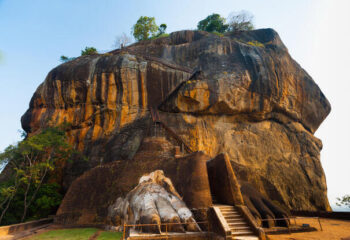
218	94
154	201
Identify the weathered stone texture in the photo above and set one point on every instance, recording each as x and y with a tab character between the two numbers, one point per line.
254	103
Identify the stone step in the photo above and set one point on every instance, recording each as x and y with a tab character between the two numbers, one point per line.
242	233
227	209
236	219
232	216
247	237
240	228
236	223
230	213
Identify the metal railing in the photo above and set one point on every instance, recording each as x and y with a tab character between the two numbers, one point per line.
162	234
295	218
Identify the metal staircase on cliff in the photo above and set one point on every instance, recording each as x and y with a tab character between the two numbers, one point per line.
156	120
236	223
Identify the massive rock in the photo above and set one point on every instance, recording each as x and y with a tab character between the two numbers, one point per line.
219	94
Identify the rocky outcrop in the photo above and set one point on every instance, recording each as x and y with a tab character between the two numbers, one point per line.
219	94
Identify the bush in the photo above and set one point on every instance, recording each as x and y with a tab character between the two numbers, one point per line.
47	202
161	36
89	51
256	44
213	23
218	34
241	21
344	201
27	194
66	59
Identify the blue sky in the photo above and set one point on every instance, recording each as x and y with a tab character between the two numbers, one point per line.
34	34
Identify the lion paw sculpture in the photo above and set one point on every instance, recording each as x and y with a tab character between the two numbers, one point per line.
154	201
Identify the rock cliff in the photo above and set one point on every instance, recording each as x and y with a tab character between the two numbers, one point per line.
218	94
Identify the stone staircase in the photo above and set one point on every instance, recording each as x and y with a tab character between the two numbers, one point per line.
239	228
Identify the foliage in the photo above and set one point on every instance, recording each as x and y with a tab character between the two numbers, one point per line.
344	201
144	28
84	52
213	23
256	43
89	51
76	234
66	59
218	34
162	28
110	236
67	234
160	36
241	21
122	40
31	160
47	201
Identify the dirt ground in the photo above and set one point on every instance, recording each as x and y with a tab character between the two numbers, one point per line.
332	230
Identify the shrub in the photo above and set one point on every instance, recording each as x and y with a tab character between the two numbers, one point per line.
89	51
256	44
213	23
241	21
218	34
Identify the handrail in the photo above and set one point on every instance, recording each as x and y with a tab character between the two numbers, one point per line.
222	221
162	235
156	119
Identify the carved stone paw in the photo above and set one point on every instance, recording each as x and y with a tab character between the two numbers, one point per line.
263	208
154	201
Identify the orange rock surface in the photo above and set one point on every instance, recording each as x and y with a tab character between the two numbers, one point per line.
219	94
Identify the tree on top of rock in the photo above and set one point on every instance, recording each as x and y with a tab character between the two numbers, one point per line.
89	51
213	23
144	28
122	40
240	21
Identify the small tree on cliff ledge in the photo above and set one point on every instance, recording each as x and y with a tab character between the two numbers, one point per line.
144	28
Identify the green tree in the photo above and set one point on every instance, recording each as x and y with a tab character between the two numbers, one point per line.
32	160
144	28
241	21
213	23
89	51
344	201
162	29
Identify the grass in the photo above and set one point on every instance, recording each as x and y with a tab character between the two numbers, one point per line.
256	43
69	234
76	234
110	236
